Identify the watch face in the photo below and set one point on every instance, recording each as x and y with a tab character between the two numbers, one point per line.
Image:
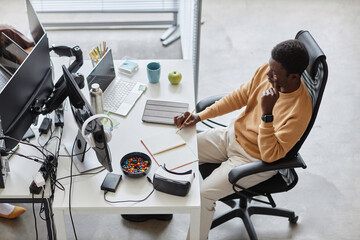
267	118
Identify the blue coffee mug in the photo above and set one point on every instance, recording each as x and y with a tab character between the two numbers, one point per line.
153	72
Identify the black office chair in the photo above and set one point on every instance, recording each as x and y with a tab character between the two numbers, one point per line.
315	77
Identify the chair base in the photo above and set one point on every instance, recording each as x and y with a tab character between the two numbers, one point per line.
245	212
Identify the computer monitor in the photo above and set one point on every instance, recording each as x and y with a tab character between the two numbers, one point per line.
85	160
36	28
25	92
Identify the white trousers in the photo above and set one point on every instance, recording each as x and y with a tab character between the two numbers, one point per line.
6	208
220	146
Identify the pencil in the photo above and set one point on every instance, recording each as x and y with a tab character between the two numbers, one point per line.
99	52
182	125
183	165
149	152
169	149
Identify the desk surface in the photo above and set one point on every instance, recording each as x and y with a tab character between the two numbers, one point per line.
21	172
87	196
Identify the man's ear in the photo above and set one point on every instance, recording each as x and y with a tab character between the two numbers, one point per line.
294	76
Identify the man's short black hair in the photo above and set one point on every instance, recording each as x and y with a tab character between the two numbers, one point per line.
292	55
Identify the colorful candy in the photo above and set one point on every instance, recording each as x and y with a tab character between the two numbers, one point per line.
135	165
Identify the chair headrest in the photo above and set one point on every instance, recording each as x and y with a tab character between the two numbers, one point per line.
315	52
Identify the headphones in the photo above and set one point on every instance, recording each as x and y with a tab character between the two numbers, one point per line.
89	138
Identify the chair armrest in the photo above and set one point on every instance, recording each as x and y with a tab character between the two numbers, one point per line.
206	102
260	166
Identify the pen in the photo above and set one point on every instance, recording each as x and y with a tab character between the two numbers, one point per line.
182	125
149	152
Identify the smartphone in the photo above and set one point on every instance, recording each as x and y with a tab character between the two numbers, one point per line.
111	182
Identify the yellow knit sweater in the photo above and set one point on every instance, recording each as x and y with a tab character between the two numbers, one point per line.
266	141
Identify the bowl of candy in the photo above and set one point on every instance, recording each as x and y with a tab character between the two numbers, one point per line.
135	164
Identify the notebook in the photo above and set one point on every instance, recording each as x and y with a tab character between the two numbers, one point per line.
156	111
119	95
169	148
163	142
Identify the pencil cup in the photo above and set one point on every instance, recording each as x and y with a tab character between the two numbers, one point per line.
94	62
153	72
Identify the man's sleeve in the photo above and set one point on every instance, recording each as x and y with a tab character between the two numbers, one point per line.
274	145
233	101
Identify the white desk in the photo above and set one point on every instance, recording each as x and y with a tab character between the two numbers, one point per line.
87	198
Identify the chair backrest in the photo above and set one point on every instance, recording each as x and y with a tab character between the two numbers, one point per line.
315	77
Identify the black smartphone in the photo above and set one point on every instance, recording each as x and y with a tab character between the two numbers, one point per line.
111	181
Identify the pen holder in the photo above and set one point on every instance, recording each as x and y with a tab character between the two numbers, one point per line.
94	62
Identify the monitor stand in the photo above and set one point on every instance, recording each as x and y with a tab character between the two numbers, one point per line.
84	161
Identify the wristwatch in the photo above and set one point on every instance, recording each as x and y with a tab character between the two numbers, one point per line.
267	118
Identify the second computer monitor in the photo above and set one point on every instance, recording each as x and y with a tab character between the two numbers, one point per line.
82	110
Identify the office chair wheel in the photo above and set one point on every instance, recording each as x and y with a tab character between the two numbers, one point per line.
293	220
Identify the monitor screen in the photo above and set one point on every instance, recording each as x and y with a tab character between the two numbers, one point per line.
103	73
11	54
82	110
36	28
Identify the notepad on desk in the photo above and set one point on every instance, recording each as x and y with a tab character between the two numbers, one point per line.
163	142
170	149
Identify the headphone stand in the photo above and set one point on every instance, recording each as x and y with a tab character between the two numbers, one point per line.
83	160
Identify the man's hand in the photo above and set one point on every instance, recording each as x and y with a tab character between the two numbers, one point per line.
269	98
192	120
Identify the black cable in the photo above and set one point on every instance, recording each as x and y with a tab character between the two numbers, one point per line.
87	150
47	142
42	207
53	181
33	207
122	201
81	174
71	218
32	158
23	142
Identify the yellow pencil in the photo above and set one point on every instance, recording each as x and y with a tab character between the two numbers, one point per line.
182	125
169	149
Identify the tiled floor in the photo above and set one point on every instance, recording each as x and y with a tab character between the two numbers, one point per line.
236	38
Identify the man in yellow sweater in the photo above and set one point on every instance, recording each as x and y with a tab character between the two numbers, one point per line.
278	110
